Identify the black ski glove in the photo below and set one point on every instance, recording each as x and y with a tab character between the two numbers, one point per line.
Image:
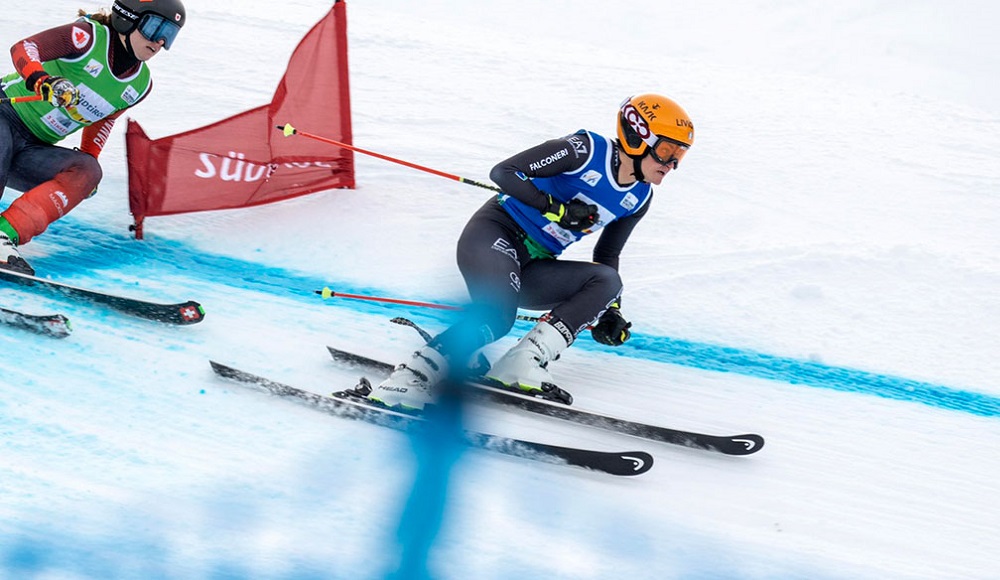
573	215
611	328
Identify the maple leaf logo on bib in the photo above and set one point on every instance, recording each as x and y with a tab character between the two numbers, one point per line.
80	37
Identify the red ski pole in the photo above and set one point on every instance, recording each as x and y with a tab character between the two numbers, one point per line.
14	100
288	131
326	292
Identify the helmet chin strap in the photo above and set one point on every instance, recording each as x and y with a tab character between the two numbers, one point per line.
636	162
128	44
637	167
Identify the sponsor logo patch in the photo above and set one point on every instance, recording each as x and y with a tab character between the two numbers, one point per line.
515	282
579	145
60	201
93	68
548	160
591	177
560	235
504	247
59	122
80	37
130	95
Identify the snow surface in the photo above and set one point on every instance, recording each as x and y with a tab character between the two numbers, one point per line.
823	270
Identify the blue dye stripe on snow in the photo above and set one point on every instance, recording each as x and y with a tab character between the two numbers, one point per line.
83	247
814	374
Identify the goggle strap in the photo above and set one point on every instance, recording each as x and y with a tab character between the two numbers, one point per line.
631	137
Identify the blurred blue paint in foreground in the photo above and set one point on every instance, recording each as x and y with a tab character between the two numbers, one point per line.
438	446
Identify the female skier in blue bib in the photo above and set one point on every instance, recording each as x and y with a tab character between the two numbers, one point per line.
553	195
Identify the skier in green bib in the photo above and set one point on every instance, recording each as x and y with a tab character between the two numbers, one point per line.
86	74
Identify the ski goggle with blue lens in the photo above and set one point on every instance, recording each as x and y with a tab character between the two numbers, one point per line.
155	28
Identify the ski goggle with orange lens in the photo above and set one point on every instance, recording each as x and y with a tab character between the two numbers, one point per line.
666	151
155	28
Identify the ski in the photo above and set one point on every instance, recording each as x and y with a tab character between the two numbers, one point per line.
727	444
613	463
54	325
182	313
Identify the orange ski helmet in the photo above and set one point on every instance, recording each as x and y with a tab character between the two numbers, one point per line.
656	124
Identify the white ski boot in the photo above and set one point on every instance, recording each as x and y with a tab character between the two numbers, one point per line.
525	366
411	385
10	258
